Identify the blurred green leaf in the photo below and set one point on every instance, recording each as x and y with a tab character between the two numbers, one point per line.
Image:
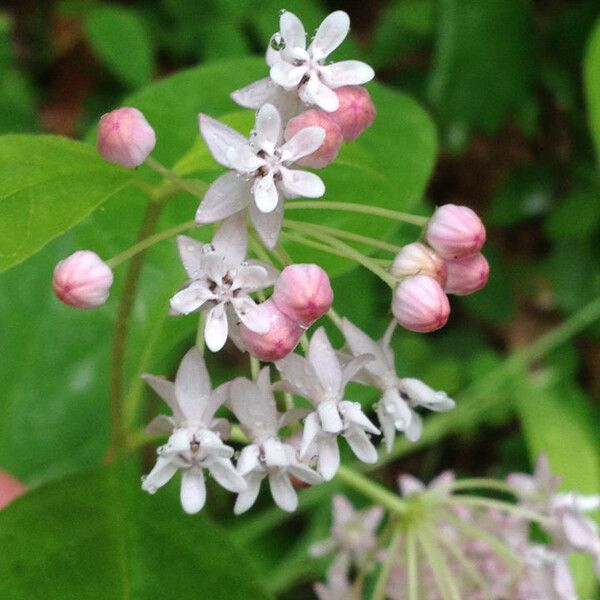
120	38
47	185
591	75
577	216
98	535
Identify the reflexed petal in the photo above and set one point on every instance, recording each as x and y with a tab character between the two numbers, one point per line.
331	422
414	430
386	341
251	314
352	367
300	374
352	412
215	331
267	225
315	92
217	398
409	485
166	390
292	30
331	33
287	75
422	395
360	343
293	415
160	424
221	426
324	362
346	72
192	385
248	460
220	139
225	474
191	298
399	411
301	184
231	240
255	94
371	518
304	473
254	409
329	456
282	491
323	548
305	142
267	128
343	511
387	427
265	193
271	55
275	454
190	251
162	472
312	427
272	272
226	196
361	445
252	278
247	498
193	491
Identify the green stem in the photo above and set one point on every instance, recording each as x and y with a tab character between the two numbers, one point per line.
483	484
254	367
443	578
375	211
380	591
412	566
200	332
335	318
188	186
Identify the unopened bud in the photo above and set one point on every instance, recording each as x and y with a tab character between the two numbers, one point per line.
82	280
455	231
282	338
125	137
10	488
418	259
420	304
467	275
303	293
356	111
329	149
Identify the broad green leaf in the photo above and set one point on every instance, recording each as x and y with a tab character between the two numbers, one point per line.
47	185
577	216
591	73
98	535
120	38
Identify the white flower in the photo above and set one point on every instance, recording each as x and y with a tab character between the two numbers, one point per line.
196	442
301	70
254	406
395	409
260	178
219	278
321	379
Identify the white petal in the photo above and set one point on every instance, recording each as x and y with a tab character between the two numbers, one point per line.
165	389
231	240
304	473
312	426
191	298
160	424
282	491
255	94
324	362
286	74
293	415
398	410
267	128
271	55
265	193
303	143
387	427
301	184
347	72
331	33
300	374
254	408
244	159
193	491
225	474
329	456
315	92
360	343
361	445
409	485
247	498
352	367
386	341
422	395
253	277
251	315
226	196
215	332
353	414
292	30
275	453
221	139
248	460
190	251
220	426
267	225
162	472
331	422
192	385
414	430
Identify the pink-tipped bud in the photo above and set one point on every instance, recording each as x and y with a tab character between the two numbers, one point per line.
418	259
125	137
356	111
420	304
455	231
282	338
467	275
303	293
82	280
10	488
329	149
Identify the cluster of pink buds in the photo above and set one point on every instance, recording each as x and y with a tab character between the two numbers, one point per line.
301	295
449	262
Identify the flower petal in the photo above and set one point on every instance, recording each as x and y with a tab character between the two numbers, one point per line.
251	314
162	472
267	128
315	92
324	361
192	385
190	251
247	498
387	427
352	367
304	473
421	394
301	184
331	33
300	374
226	196
160	424
353	414
312	426
252	277
287	75
303	143
265	193
346	72
166	390
256	94
215	331
282	491
191	298
248	460
193	491
414	430
331	422
226	475
360	343
254	408
361	445
329	456
221	139
267	225
231	240
292	30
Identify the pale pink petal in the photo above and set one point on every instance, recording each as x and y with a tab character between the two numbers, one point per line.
265	193
215	332
360	343
361	445
267	128
324	361
267	225
192	385
329	456
227	195
315	92
248	460
162	472
255	410
251	315
352	367
160	424
222	470
312	427
304	473
190	251
301	184
166	390
193	491
352	412
271	55
388	427
251	278
347	72
287	75
246	499
231	240
331	33
414	430
221	139
256	94
191	298
303	143
282	491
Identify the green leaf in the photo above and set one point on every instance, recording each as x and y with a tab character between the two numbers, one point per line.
120	38
98	535
577	216
47	185
591	73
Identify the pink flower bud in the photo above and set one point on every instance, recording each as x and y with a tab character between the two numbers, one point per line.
328	150
455	231
356	111
281	339
467	275
125	137
10	488
82	280
303	293
418	259
420	304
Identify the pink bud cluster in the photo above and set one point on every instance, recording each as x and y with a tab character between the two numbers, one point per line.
301	295
356	113
449	262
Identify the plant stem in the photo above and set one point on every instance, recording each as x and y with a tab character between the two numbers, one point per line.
380	591
375	211
443	578
118	433
254	367
188	186
483	484
200	332
412	567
